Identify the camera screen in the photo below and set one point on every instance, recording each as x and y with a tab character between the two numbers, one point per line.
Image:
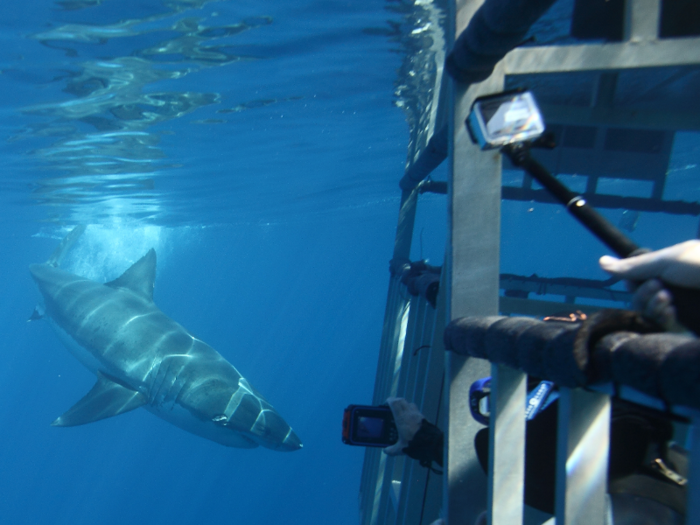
370	427
506	118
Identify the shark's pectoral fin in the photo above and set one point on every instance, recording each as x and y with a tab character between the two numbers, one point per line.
36	315
106	399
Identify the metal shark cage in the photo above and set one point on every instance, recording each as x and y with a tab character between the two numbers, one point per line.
605	136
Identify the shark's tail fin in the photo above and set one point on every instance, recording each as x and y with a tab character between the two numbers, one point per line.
66	244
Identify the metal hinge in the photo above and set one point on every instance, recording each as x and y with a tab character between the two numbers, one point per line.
661	467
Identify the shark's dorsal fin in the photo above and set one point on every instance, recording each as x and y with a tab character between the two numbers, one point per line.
106	399
66	244
140	277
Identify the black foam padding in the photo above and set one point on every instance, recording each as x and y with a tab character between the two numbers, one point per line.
563	364
610	346
638	361
501	339
532	347
600	364
466	335
602	325
680	375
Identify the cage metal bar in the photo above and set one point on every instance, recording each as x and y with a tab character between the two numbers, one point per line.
642	20
595	57
583	442
431	399
472	260
506	445
382	488
373	491
413	340
415	477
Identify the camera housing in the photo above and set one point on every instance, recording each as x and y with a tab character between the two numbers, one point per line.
504	118
369	426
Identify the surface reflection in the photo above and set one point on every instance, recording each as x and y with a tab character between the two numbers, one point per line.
106	158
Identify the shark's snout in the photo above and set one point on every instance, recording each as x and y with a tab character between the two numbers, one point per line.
273	432
291	443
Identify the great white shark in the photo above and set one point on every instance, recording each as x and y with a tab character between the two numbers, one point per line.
142	358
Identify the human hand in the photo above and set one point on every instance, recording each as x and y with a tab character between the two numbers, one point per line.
676	265
654	302
408	421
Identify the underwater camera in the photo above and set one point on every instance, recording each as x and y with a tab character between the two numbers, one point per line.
369	426
504	118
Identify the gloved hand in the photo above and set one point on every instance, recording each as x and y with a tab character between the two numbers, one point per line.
408	421
678	265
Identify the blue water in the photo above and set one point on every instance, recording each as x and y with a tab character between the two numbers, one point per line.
258	149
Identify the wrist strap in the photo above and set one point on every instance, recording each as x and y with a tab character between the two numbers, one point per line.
426	446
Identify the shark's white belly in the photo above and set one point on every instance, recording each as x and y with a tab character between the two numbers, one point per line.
184	419
81	353
161	401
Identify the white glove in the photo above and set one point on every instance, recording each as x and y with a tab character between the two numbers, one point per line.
408	420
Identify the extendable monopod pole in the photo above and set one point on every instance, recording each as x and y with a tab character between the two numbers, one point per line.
686	301
519	155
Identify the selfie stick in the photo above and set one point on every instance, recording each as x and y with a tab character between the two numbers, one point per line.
686	301
519	155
